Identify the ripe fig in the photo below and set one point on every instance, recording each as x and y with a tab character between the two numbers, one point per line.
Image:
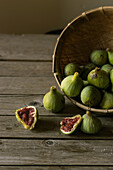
87	69
110	55
111	76
70	69
72	85
99	78
107	68
69	124
90	124
27	116
54	101
99	57
90	96
107	101
85	82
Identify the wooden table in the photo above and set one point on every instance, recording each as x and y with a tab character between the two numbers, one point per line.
25	76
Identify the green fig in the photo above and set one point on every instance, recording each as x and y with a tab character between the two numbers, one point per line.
99	57
90	96
53	101
107	68
110	56
85	82
70	69
107	101
72	85
90	124
87	69
111	76
69	124
99	78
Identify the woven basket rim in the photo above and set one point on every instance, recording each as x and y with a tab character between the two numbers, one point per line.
56	75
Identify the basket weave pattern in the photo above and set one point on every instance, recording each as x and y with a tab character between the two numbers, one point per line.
90	31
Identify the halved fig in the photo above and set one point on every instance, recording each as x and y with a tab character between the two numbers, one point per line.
27	116
69	124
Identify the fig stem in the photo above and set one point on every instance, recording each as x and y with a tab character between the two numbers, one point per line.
108	49
97	69
53	88
76	74
88	112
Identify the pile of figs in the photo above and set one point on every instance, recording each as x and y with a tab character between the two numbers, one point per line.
91	84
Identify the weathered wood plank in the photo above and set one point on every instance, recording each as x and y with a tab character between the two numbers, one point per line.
8	104
56	167
25	69
26	85
56	152
27	47
49	127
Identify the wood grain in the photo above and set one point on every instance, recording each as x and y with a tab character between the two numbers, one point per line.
56	167
55	152
25	85
49	127
25	76
9	103
27	47
25	69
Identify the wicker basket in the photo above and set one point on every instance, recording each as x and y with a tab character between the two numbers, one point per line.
90	31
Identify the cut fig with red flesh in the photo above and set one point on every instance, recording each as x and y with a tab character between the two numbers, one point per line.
69	124
27	116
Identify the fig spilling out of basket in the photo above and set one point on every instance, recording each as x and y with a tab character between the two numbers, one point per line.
69	124
72	85
88	123
27	116
53	101
92	84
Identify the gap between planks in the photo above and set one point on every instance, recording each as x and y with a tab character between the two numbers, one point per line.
49	127
56	167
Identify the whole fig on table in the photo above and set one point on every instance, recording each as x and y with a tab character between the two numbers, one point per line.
90	123
107	101
99	57
54	101
90	96
107	68
72	85
99	78
70	69
27	116
69	124
87	69
110	55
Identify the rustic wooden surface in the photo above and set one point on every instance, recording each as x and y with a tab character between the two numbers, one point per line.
25	76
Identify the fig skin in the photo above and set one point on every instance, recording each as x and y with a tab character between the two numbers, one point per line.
107	68
23	123
87	69
107	101
70	69
72	85
111	76
75	125
90	123
85	82
99	78
54	101
110	55
99	57
90	96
